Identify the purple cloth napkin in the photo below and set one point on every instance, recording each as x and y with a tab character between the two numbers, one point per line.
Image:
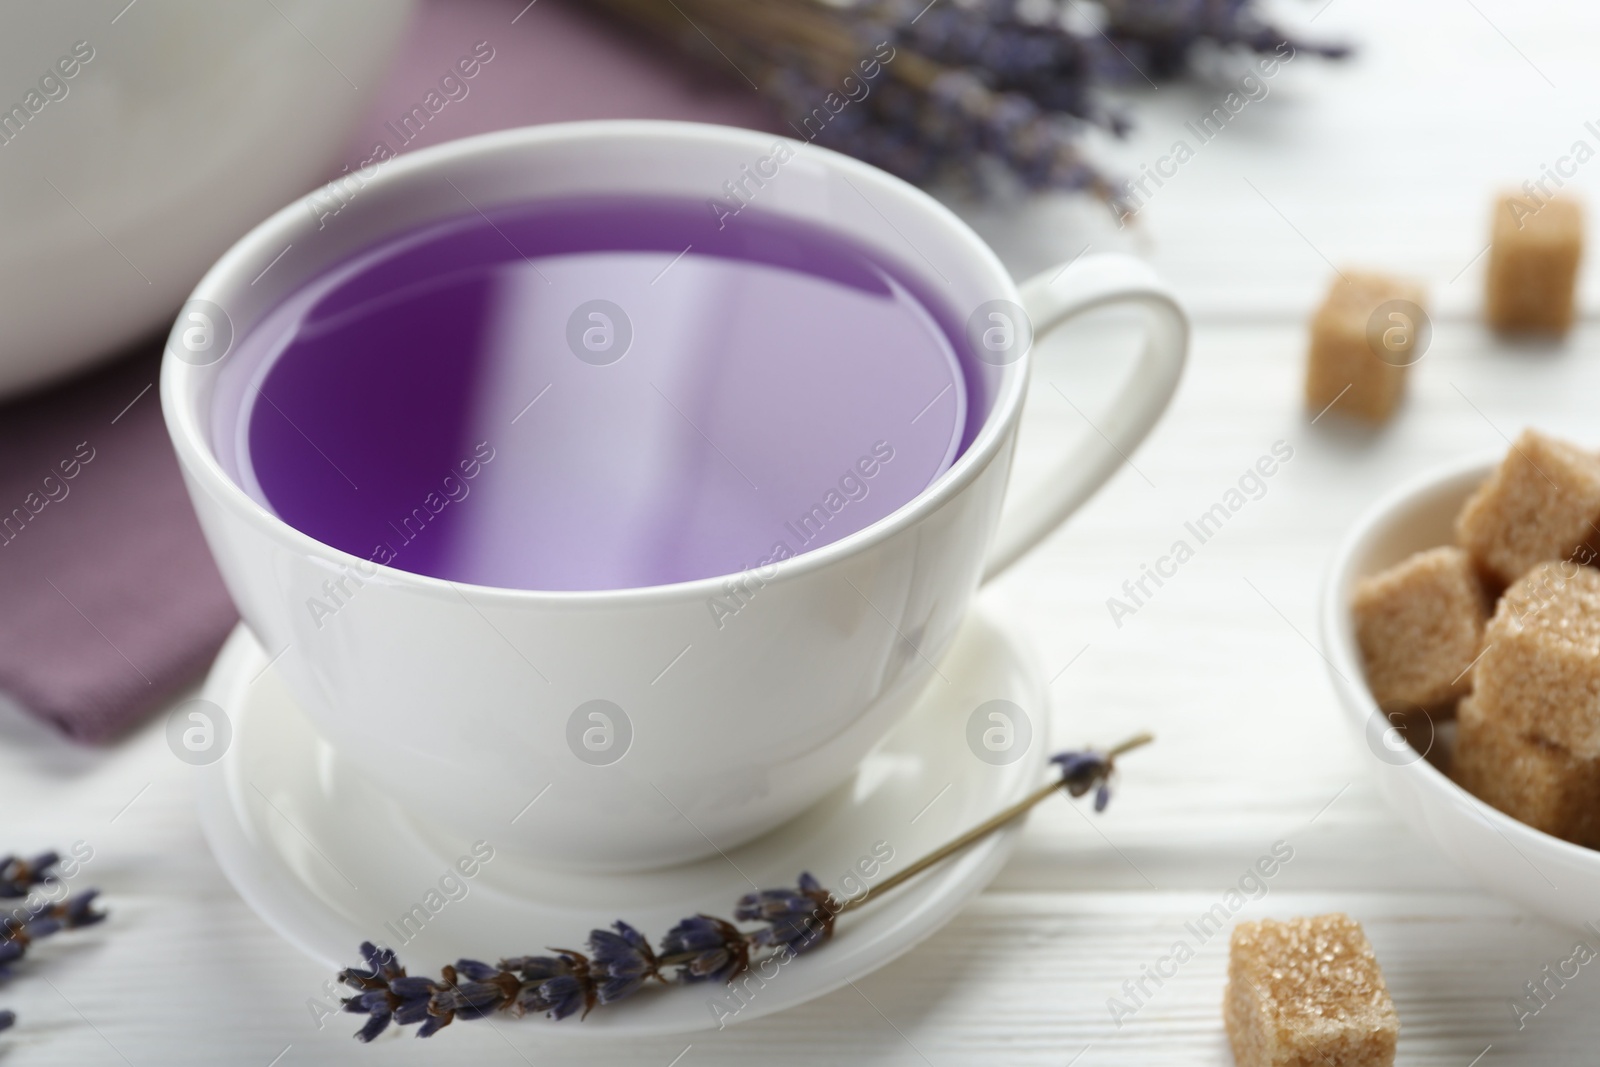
109	601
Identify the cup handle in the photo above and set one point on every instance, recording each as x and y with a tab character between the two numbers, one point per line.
1050	299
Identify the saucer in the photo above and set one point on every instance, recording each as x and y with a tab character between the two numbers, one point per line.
328	861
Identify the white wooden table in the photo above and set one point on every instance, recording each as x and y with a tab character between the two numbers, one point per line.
1389	161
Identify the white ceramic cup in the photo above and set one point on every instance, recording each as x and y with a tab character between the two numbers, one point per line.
466	703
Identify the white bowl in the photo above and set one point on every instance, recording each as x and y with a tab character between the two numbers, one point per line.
180	126
1556	879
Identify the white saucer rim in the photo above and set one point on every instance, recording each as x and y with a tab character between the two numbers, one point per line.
265	887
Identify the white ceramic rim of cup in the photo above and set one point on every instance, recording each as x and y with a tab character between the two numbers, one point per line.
1344	661
180	380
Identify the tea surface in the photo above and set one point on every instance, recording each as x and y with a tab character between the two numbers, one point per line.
596	394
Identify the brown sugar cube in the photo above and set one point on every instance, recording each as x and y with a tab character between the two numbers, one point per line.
1359	352
1530	780
1541	503
1540	670
1420	626
1533	264
1307	993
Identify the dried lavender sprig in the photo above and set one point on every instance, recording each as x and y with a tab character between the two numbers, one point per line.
622	962
18	876
1080	772
781	44
797	920
1056	68
702	947
17	934
1159	38
619	963
964	86
706	949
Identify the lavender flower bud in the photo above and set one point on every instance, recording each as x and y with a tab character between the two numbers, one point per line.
798	920
477	970
620	962
706	949
557	986
78	909
374	1026
1080	771
386	993
18	875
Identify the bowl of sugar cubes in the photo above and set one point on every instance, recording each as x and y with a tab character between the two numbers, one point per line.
1461	619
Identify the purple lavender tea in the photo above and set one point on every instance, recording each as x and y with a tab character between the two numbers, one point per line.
597	393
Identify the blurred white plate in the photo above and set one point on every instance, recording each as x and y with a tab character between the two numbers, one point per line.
187	124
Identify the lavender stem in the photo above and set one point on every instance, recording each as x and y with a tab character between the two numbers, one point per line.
983	829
